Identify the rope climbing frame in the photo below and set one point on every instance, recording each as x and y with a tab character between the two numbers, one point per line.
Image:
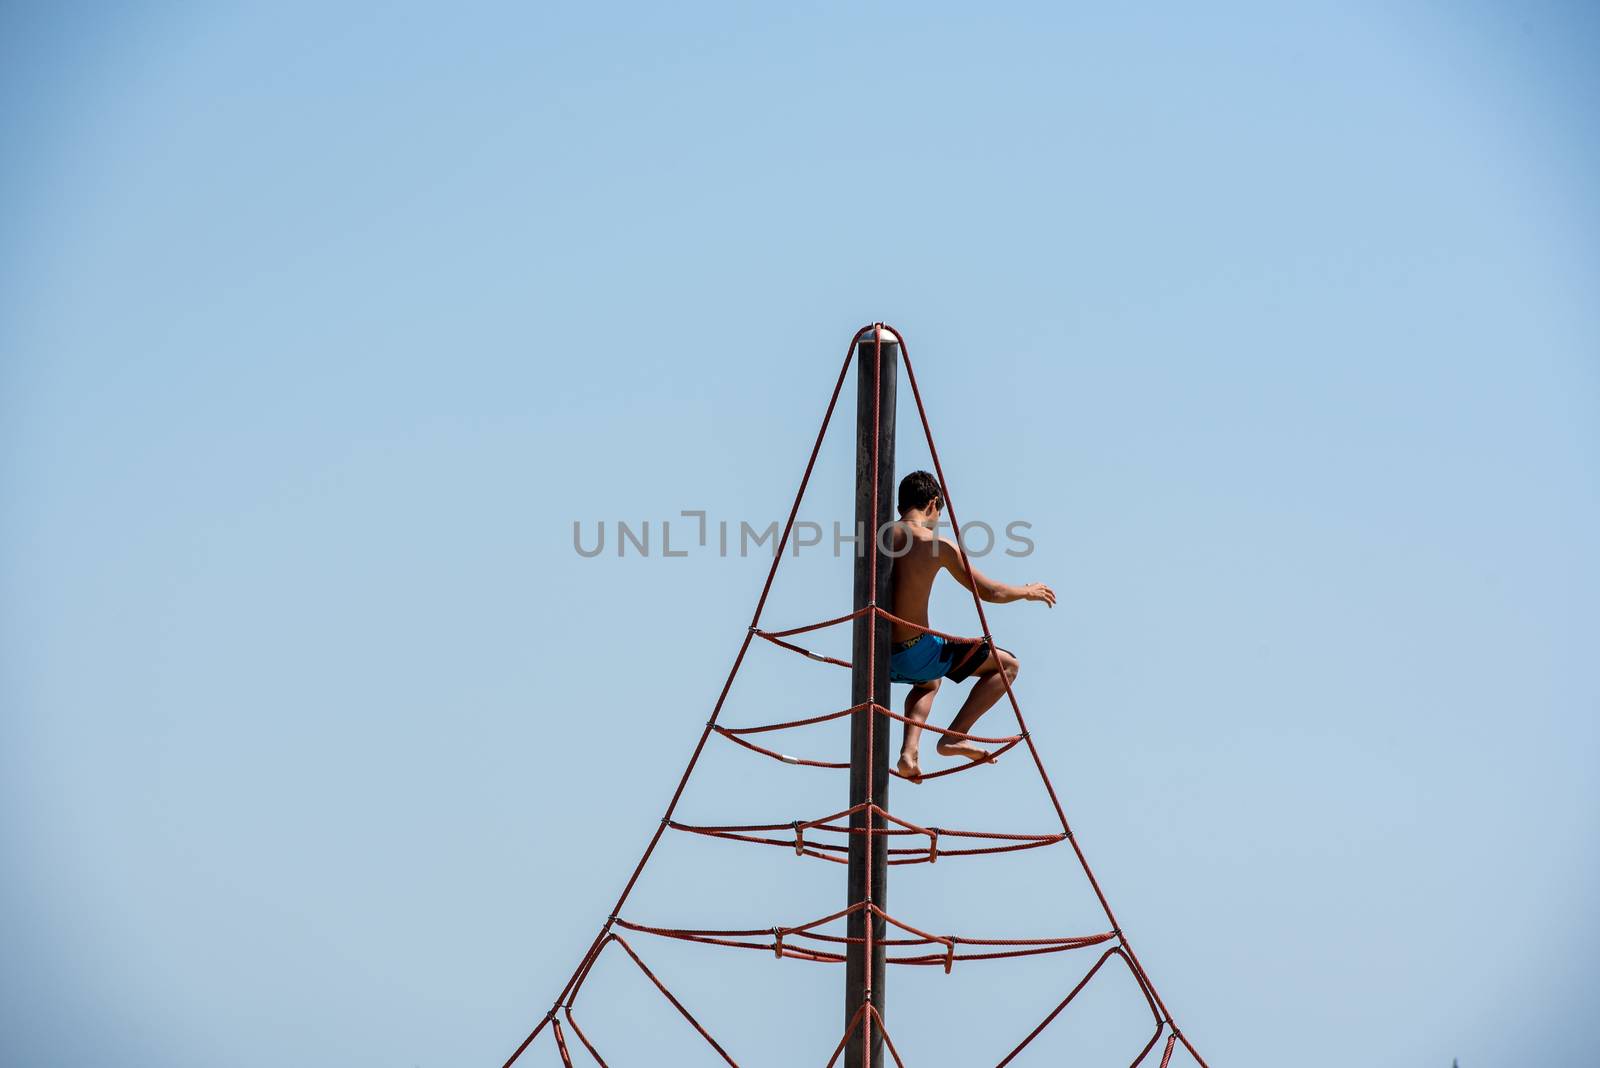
828	837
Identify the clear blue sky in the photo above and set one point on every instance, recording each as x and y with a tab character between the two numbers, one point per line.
319	327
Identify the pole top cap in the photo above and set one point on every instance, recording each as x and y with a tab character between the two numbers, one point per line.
883	332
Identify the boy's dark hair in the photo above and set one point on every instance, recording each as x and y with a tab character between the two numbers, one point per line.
918	490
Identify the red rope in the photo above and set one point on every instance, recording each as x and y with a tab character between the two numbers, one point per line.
685	1013
805	941
1044	776
897	855
887	1041
561	1043
775	755
855	1022
741	938
791	723
734	734
809	627
1114	951
694	758
803	651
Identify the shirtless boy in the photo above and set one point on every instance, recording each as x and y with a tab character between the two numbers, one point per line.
924	659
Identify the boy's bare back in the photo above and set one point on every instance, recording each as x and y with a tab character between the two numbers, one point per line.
920	554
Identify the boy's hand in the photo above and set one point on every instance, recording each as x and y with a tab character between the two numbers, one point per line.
1038	591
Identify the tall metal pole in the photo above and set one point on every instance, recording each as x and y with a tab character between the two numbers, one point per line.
877	367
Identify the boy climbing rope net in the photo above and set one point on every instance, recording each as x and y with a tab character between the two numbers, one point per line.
924	659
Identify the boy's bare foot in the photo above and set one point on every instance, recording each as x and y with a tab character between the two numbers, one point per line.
975	753
909	767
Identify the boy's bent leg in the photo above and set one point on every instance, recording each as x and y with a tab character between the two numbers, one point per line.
993	675
919	702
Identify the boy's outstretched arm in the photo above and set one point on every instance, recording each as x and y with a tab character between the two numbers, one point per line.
991	590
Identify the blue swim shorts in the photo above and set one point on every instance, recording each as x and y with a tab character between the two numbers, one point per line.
928	657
